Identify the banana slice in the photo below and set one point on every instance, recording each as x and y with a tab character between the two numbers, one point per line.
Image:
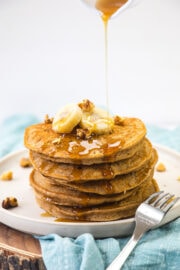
67	118
97	121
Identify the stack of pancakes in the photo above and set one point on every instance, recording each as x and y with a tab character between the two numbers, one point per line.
102	178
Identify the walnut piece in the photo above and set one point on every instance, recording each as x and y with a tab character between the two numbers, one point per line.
118	120
25	162
6	176
86	105
48	120
9	202
83	133
160	167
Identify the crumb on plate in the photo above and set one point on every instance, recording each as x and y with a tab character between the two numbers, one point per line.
161	167
9	202
6	176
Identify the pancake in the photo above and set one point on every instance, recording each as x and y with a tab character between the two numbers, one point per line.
62	195
119	210
80	173
120	183
122	143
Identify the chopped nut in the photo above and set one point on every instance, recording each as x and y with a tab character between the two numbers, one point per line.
9	202
118	120
57	141
86	105
161	167
25	162
48	120
83	133
6	176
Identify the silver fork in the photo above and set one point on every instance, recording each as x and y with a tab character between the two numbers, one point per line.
148	215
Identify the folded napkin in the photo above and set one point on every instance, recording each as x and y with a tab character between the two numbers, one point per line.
158	249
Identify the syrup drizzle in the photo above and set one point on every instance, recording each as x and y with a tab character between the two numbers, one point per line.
107	8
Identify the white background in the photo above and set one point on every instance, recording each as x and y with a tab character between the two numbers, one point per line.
52	53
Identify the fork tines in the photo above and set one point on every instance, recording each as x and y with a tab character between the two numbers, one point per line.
162	200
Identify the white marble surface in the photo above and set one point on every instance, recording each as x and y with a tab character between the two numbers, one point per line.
52	53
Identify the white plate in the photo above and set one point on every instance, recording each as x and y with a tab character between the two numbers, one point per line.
27	216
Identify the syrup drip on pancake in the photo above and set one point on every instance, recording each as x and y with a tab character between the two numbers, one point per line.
86	146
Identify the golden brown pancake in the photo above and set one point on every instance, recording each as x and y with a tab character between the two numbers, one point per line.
120	183
70	172
66	196
122	143
108	212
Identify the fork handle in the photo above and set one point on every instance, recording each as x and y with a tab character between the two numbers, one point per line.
122	257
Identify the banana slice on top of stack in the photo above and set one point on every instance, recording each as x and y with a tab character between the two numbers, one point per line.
67	118
84	114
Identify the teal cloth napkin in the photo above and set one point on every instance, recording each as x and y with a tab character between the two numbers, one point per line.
12	132
158	249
